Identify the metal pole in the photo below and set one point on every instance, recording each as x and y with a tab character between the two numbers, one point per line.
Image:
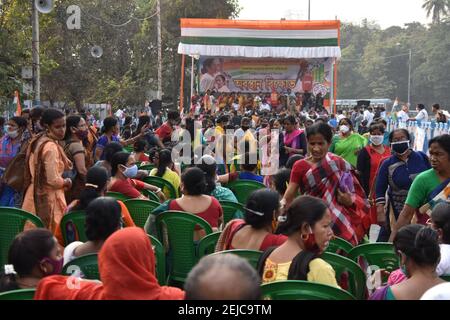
309	10
158	8
192	77
35	54
409	78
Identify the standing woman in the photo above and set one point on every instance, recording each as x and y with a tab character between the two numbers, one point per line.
13	142
46	163
323	175
294	138
395	176
369	160
76	133
347	144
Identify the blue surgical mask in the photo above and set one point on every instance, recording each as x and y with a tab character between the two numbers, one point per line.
131	172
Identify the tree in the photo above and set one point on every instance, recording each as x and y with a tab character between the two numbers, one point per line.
437	9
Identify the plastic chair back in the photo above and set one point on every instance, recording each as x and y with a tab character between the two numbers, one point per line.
160	256
151	195
147	167
21	294
85	267
12	222
446	278
356	277
231	210
165	185
207	245
339	245
302	290
252	256
73	227
380	255
140	210
180	227
242	189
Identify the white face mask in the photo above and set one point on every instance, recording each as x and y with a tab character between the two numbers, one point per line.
13	134
376	140
344	129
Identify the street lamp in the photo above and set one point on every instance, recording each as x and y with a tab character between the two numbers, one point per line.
409	75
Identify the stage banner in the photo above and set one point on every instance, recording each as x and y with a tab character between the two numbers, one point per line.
249	75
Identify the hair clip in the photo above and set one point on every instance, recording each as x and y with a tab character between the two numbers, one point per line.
282	218
9	269
255	212
91	185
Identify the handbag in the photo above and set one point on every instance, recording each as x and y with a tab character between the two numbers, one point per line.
14	175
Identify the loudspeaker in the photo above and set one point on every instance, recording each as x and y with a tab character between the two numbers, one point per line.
44	6
96	51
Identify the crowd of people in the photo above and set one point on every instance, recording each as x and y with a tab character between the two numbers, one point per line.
335	176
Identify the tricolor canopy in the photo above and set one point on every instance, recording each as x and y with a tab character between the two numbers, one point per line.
260	39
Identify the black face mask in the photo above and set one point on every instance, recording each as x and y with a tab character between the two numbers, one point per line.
400	147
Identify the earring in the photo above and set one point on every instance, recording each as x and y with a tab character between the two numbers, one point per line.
305	237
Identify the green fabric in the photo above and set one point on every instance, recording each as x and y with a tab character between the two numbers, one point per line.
421	188
346	148
261	42
223	194
390	294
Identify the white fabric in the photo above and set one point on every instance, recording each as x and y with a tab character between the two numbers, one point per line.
439	292
402	116
265	106
259	33
368	116
259	52
68	251
207	82
422	115
340	117
443	268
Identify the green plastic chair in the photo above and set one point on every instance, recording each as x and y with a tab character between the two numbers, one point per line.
180	228
160	256
207	245
117	196
231	210
242	189
378	254
147	167
87	265
302	290
128	149
446	278
252	256
338	244
163	184
21	294
151	195
140	210
12	222
74	221
356	277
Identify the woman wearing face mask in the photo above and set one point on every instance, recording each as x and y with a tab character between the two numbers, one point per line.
46	163
430	186
347	143
395	177
76	134
124	169
308	227
33	255
12	143
255	232
369	160
419	253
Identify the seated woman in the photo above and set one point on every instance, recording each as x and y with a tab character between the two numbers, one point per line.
308	227
193	200
110	150
280	181
124	169
103	218
33	255
139	148
127	265
440	221
248	167
255	232
419	250
165	169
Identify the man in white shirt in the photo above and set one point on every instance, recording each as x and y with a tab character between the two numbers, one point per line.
264	106
402	115
422	114
368	115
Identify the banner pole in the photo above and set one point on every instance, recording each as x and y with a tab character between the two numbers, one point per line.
183	60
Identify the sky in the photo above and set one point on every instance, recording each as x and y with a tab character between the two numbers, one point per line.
386	13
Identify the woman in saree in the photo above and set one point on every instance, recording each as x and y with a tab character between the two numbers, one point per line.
294	138
327	176
395	176
46	163
429	187
348	143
